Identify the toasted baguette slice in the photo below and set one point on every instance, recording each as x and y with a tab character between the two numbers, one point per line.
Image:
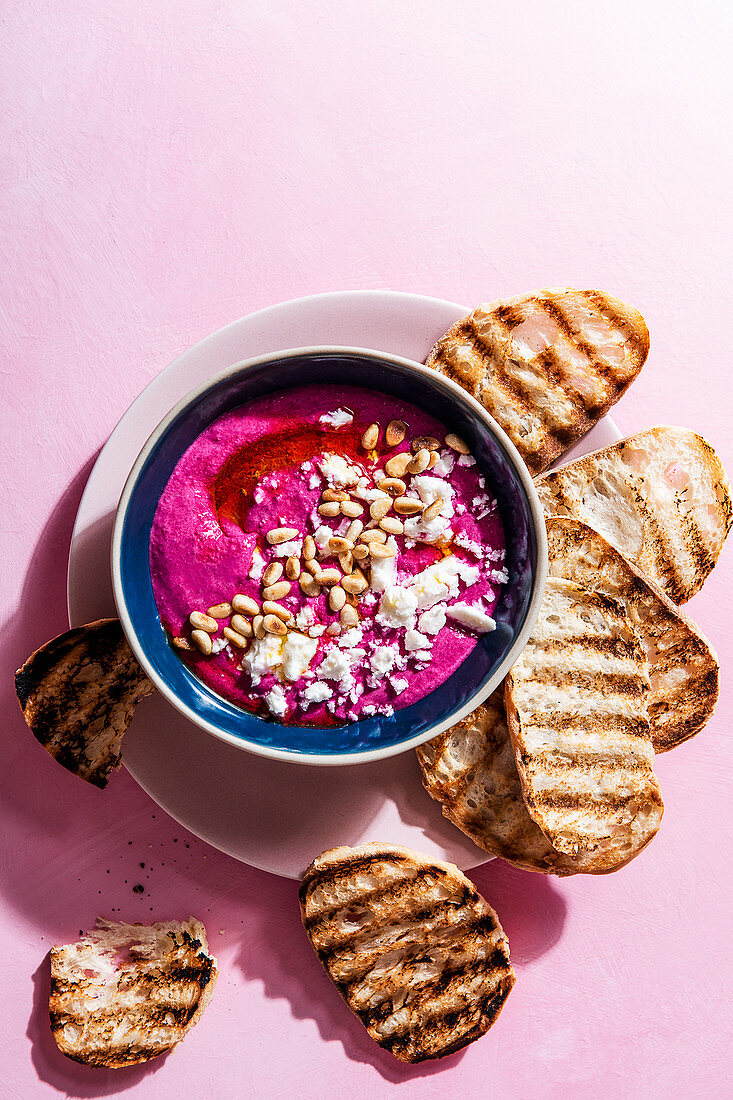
78	694
125	993
661	498
471	771
410	944
577	709
547	365
683	669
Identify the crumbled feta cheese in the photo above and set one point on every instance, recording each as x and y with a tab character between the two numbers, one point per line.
263	656
257	567
398	684
444	465
316	631
305	617
432	621
288	549
314	481
415	640
499	576
317	692
472	617
276	701
321	535
335	665
337	471
298	652
336	419
397	607
435	488
468	544
384	658
466	460
218	644
384	570
259	494
351	638
423	655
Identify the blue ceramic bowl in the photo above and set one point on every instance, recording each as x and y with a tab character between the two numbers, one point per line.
370	738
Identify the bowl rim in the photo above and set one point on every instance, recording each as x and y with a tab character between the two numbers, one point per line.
370	755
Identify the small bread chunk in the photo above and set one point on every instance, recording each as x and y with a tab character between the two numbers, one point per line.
471	771
78	694
577	713
546	365
683	669
661	498
411	946
125	993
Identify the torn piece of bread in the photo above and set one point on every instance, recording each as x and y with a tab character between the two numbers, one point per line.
683	669
410	944
78	694
125	993
661	498
546	365
577	713
470	769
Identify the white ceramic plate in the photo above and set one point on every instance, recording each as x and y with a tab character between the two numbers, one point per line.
272	815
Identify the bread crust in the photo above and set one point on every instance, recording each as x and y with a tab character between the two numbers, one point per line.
546	365
411	946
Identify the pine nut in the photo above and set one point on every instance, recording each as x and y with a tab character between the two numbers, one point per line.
457	444
432	511
273	625
273	573
395	433
420	462
434	458
245	605
270	607
348	615
355	584
396	466
313	566
236	639
424	442
202	641
360	552
395	486
378	508
203	622
370	437
280	534
380	550
336	598
309	547
334	495
277	591
258	626
339	545
374	535
407	506
328	576
220	611
181	643
392	526
307	585
346	562
240	625
351	509
355	528
331	508
292	568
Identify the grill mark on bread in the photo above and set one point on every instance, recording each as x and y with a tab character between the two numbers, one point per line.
556	313
611	683
616	320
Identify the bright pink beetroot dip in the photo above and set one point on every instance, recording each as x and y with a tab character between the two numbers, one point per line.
265	466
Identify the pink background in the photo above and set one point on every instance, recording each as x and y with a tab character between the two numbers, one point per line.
168	167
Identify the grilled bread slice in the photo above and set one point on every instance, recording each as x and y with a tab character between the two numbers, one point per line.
547	365
78	694
683	669
471	771
410	944
125	993
577	711
661	498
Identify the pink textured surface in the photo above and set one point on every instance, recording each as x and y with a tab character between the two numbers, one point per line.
168	167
